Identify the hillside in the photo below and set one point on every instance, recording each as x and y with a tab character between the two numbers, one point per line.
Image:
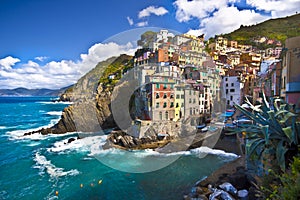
31	92
89	82
92	97
278	29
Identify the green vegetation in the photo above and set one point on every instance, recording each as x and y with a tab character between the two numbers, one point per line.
285	185
275	134
277	29
118	67
89	82
146	38
272	141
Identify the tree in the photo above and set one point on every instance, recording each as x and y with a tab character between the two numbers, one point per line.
146	38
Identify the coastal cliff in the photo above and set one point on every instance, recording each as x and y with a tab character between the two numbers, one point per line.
90	96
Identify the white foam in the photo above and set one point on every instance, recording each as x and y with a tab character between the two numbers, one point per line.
19	134
3	127
58	113
199	152
55	102
84	144
32	144
45	165
206	150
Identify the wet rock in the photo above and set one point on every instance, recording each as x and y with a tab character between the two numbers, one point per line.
71	140
137	141
202	197
243	194
228	188
220	194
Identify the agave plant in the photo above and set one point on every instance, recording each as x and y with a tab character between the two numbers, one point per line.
274	134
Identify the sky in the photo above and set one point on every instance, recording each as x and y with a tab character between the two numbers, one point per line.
52	43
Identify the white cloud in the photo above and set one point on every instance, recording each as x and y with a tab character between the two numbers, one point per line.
198	8
278	8
130	21
223	16
8	62
141	24
228	19
41	58
152	10
54	74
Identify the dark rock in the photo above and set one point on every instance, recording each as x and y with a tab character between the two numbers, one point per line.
202	197
29	133
137	141
123	142
239	181
71	140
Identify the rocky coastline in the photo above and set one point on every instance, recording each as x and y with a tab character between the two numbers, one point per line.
231	181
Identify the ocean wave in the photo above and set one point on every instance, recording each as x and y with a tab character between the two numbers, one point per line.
54	102
199	152
19	134
58	113
45	165
32	144
2	127
84	144
206	150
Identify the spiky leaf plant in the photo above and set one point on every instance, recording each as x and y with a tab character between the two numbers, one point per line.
274	135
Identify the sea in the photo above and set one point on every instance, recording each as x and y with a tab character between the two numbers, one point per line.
48	167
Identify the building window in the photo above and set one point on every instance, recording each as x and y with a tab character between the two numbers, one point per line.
157	85
172	104
232	90
226	79
165	95
191	111
226	91
177	105
190	100
182	96
165	86
231	97
226	84
171	95
177	96
182	104
194	100
167	115
157	105
172	86
160	115
165	104
157	95
190	92
232	84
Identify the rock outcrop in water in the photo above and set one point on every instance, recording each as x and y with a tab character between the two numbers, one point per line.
90	110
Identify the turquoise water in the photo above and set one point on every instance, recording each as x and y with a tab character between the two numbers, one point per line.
36	166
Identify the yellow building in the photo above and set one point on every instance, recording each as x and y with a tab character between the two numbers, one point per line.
179	102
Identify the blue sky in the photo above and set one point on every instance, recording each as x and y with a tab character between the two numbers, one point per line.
52	43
